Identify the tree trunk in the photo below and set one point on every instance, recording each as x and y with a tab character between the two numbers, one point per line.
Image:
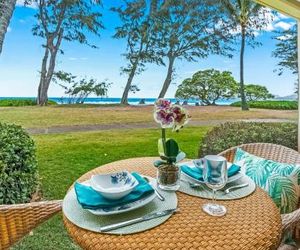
242	86
168	79
6	10
47	73
45	81
41	89
124	99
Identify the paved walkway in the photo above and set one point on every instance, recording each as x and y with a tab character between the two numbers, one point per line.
99	127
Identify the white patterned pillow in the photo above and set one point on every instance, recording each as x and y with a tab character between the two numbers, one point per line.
279	180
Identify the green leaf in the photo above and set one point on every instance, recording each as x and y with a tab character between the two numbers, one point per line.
158	163
172	148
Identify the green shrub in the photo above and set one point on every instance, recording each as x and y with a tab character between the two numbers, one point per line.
21	102
18	166
284	105
233	134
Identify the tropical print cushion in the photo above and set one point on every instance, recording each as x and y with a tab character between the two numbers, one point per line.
279	180
284	191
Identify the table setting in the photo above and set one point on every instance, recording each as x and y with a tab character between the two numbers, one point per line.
104	201
161	196
238	185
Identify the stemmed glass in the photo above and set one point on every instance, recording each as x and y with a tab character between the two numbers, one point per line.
215	177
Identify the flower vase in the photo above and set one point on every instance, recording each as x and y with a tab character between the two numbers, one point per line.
168	176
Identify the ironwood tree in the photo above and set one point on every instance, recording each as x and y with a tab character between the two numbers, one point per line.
63	20
286	50
190	30
137	22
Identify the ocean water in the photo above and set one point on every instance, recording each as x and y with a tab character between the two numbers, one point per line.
132	101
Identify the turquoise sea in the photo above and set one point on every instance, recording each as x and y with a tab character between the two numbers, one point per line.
112	100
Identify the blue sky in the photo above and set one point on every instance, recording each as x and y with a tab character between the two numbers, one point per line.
22	54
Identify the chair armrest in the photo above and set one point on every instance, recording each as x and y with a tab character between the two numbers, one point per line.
19	219
290	220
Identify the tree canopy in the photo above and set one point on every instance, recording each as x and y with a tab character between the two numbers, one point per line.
257	92
78	90
189	30
286	50
208	86
137	20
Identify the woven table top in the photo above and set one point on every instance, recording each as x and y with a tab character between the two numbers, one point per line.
250	223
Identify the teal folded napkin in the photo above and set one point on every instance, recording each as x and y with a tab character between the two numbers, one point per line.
88	198
197	173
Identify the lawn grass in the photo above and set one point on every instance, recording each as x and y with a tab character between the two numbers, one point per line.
65	157
44	117
281	105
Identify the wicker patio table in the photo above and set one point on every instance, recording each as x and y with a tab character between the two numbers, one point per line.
251	223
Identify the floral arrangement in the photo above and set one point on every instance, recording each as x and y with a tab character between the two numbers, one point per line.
173	116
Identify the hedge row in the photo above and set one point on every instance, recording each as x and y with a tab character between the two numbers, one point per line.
284	105
233	134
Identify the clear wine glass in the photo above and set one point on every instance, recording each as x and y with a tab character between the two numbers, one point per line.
215	177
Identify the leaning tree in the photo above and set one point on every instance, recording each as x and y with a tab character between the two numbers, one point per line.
6	10
247	19
137	18
59	20
189	30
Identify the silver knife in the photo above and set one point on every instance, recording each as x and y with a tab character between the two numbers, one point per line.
137	220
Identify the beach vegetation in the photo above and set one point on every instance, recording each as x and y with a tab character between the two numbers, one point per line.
18	102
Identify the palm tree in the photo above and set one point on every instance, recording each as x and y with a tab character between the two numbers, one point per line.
247	18
6	10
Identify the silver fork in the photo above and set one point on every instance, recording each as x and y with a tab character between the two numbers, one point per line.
226	191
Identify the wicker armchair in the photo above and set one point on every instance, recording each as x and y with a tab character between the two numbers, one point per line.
18	220
276	153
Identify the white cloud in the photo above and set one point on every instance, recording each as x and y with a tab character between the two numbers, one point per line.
9	29
20	3
283	25
283	38
282	16
22	21
77	58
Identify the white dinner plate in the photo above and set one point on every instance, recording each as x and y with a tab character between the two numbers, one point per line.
127	207
192	165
